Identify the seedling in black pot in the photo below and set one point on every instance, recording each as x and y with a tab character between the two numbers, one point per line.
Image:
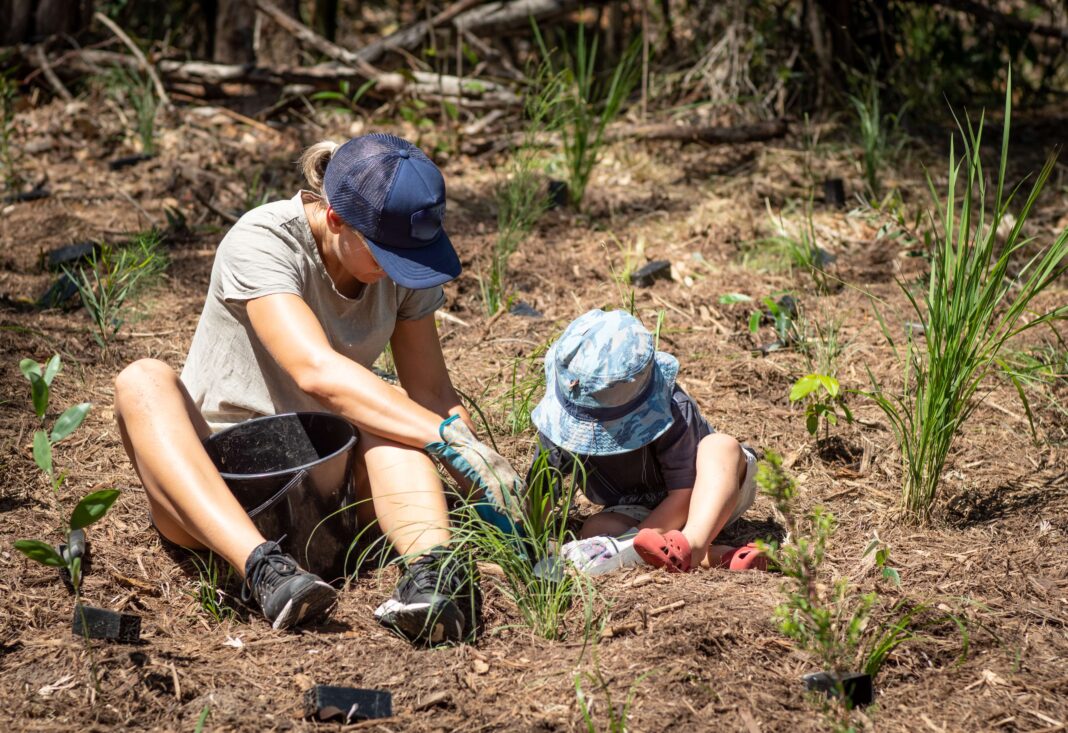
99	623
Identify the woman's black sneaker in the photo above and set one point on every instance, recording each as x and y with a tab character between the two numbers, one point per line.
436	601
288	595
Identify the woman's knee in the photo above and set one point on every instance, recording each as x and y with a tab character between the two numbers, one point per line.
141	377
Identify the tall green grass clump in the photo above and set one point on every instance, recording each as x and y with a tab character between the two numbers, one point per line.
879	132
530	573
522	196
135	90
588	103
981	294
113	277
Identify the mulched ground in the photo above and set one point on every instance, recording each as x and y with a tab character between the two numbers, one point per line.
992	556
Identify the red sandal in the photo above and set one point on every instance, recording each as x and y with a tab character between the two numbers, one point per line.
744	558
670	550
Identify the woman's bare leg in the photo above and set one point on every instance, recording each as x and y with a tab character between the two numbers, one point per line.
162	431
721	468
405	492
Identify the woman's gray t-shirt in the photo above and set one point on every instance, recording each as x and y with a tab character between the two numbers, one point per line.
228	372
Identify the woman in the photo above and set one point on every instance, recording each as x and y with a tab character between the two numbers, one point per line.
305	294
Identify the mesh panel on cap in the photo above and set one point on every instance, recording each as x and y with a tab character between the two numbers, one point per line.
362	187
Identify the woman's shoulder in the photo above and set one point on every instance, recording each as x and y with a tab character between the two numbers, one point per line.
273	214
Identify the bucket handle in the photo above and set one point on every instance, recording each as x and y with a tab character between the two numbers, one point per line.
300	476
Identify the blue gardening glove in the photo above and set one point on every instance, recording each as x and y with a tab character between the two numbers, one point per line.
503	489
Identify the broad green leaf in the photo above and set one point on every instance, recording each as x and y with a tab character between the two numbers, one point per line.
803	387
812	423
829	383
52	369
39	394
28	367
42	452
69	421
732	298
92	508
892	575
754	321
41	552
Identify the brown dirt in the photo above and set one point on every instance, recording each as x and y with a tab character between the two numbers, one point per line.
993	556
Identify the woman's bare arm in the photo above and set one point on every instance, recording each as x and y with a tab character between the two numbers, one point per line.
421	368
289	330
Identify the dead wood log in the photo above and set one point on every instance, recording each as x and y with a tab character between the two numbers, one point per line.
147	67
755	132
307	36
410	37
511	15
998	18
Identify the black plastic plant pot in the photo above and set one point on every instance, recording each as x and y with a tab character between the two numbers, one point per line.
100	623
834	192
557	194
129	160
650	273
857	687
292	473
347	704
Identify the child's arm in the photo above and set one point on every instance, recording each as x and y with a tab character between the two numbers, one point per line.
670	513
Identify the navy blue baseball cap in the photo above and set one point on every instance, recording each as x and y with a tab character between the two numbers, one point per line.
389	191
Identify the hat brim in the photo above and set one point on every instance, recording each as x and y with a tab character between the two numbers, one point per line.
608	437
419	268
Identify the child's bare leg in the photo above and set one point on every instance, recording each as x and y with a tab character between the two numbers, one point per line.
162	432
721	468
607	524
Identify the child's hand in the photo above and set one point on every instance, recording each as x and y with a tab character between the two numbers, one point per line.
503	490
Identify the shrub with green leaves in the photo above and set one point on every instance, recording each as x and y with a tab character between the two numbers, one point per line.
587	103
843	629
89	510
40	378
823	398
114	276
981	294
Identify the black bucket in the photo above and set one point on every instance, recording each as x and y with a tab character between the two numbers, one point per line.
292	473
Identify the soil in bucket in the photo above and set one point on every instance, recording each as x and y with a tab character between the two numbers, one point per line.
292	473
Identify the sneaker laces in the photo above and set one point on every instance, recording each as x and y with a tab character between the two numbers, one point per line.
269	571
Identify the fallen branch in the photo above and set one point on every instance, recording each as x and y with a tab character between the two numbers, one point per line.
410	37
755	132
148	68
499	17
629	628
53	80
307	36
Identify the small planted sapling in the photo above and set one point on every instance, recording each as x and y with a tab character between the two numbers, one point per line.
823	399
40	378
90	509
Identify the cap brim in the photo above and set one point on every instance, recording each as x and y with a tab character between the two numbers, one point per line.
419	268
608	437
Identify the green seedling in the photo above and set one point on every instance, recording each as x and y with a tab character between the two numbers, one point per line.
617	715
843	629
132	88
782	314
981	294
209	594
345	99
526	383
800	249
823	399
89	510
587	104
113	277
880	134
40	378
522	196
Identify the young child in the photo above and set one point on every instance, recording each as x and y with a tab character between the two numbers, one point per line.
668	482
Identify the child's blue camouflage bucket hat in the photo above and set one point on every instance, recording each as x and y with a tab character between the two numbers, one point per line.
607	390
